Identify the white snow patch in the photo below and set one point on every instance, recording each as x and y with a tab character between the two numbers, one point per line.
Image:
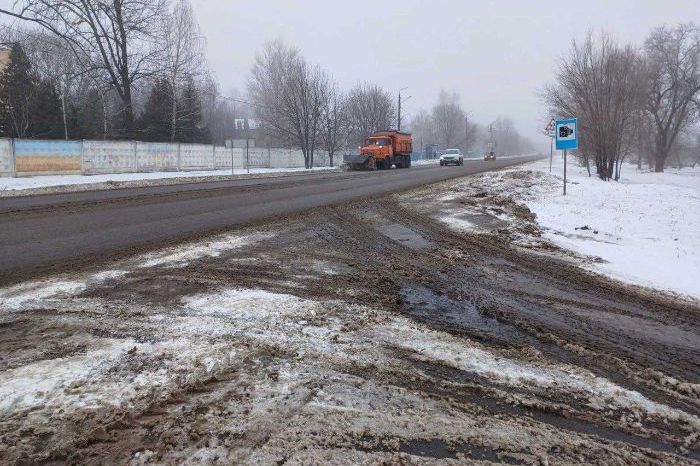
182	255
15	184
246	304
43	381
28	294
647	223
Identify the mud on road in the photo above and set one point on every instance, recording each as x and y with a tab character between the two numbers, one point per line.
372	333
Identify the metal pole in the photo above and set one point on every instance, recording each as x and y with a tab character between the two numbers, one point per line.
399	125
247	160
231	157
565	172
551	152
466	134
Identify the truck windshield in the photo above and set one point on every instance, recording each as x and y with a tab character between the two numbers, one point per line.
377	142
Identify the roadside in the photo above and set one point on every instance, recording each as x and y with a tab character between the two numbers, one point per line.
52	184
368	333
641	230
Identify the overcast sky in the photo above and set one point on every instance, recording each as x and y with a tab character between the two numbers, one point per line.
495	54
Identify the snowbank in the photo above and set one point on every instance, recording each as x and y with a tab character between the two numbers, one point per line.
14	184
645	227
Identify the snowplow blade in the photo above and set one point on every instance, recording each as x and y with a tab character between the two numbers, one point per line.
359	162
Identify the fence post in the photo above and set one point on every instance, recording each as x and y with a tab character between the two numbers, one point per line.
136	157
82	157
213	155
179	158
13	158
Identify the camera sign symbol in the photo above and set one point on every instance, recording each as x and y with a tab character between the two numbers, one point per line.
566	133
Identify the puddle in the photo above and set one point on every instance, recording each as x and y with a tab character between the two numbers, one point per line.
483	220
424	304
403	235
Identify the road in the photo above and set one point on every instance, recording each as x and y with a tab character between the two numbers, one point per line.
54	231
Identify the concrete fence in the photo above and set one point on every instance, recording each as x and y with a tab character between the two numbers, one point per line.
25	157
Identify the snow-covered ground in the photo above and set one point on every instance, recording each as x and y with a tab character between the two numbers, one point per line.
642	230
32	182
645	227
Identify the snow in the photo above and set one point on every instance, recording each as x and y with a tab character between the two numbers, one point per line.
21	296
467	356
182	255
645	227
14	184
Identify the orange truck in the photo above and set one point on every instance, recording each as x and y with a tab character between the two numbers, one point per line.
382	150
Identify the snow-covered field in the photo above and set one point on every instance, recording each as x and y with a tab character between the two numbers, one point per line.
645	227
32	182
642	230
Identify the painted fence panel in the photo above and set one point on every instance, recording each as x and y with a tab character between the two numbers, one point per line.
196	157
38	156
156	157
7	160
101	157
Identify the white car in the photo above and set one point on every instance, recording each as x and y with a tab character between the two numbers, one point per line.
451	157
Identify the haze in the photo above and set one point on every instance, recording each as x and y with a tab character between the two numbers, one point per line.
496	55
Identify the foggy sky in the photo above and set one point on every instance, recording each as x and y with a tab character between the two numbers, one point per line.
495	54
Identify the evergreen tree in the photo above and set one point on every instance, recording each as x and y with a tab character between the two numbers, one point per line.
190	127
154	125
17	88
45	112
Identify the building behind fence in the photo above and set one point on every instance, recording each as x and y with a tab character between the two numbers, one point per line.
22	157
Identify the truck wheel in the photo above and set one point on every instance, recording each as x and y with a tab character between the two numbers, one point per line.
371	164
408	161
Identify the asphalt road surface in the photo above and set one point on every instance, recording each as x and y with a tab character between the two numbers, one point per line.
53	232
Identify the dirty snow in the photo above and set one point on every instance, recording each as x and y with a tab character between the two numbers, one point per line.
32	182
27	294
182	255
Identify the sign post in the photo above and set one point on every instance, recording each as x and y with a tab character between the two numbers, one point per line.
549	131
566	133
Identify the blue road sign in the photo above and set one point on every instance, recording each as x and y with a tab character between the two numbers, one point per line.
566	132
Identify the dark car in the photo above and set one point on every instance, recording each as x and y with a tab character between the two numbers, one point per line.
490	156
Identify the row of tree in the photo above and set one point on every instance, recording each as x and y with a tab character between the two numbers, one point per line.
448	126
643	101
298	104
92	69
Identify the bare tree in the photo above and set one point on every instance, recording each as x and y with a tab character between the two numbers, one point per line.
333	119
183	53
673	66
448	120
602	84
118	36
287	94
369	109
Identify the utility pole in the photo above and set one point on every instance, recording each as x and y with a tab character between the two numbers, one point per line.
399	122
398	126
466	134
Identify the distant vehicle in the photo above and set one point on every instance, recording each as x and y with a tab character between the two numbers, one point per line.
490	156
451	157
382	150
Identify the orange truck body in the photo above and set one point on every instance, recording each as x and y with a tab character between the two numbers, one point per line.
384	149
